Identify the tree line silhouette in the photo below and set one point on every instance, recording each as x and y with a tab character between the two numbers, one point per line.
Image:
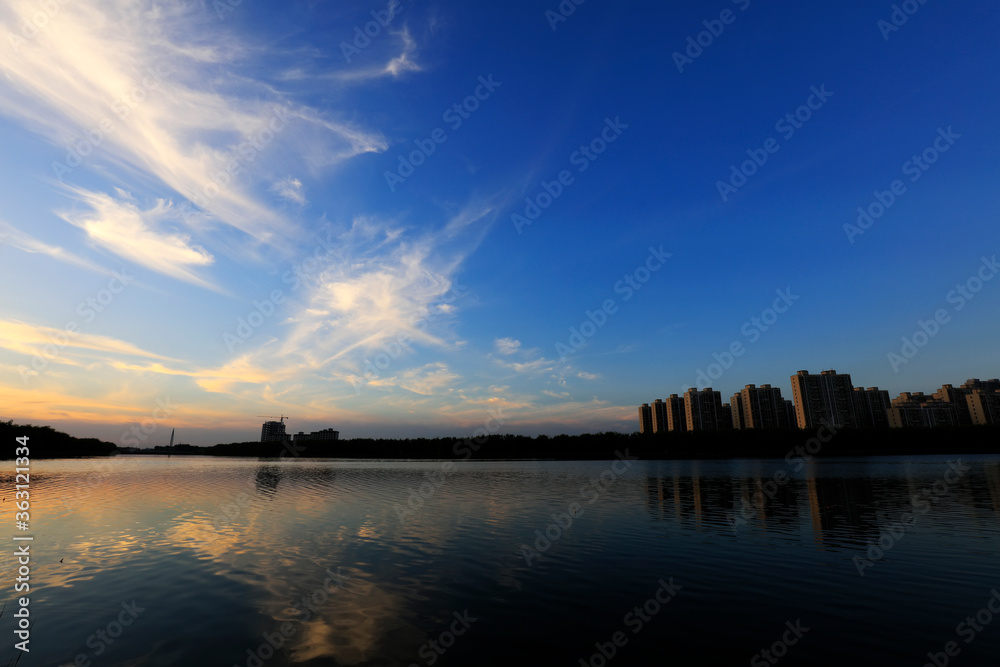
46	442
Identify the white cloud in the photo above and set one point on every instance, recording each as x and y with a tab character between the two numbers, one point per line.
380	291
531	367
434	379
291	189
130	232
384	288
366	299
404	62
507	345
29	339
28	243
396	66
160	90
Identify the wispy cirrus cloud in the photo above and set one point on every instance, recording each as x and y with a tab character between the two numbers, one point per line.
382	283
16	238
531	366
28	339
395	67
137	235
159	90
404	61
507	346
385	284
434	379
531	363
291	189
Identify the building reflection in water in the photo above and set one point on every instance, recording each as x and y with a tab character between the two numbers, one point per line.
846	504
266	480
814	507
991	470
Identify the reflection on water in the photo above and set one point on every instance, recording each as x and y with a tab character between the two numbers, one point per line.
246	562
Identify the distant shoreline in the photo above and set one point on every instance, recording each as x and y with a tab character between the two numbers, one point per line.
45	442
832	457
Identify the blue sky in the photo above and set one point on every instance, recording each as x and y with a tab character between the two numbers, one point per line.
181	166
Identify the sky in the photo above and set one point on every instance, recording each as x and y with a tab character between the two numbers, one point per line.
415	218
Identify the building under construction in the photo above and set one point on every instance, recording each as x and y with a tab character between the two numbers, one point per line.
274	431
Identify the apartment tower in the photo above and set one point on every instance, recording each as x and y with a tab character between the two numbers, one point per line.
827	397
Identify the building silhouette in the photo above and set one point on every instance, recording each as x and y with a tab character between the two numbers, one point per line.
273	432
790	413
916	409
737	409
676	416
984	407
871	406
762	407
959	397
659	411
703	410
827	397
325	434
645	419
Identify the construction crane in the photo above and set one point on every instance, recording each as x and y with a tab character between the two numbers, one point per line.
272	417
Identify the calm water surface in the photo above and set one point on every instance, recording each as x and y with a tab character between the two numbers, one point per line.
345	563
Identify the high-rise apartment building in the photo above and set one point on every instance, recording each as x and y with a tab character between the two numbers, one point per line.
273	432
827	397
919	410
645	419
988	386
737	403
958	396
659	410
763	407
871	406
984	407
676	416
703	410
